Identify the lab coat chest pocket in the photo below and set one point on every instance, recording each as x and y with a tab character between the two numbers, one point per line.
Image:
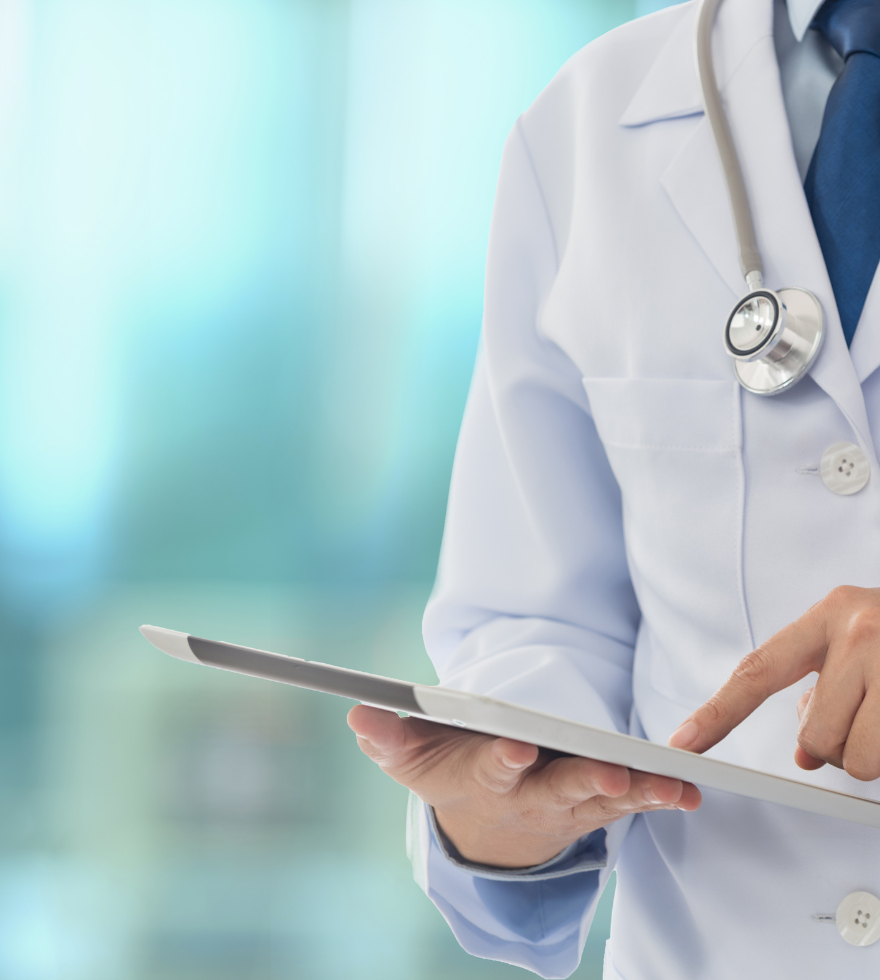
675	448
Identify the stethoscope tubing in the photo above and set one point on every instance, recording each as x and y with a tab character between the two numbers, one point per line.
749	256
790	342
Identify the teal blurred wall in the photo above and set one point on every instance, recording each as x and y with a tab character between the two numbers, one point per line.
241	251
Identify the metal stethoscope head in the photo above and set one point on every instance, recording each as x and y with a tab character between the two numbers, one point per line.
773	337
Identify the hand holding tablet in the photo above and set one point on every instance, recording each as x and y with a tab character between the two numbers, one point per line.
513	723
508	803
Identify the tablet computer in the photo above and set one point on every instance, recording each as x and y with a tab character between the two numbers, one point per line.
492	717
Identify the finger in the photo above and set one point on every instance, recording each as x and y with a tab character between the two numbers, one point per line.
512	754
570	780
500	763
851	666
649	791
803	701
646	792
829	713
690	798
783	660
441	764
802	758
405	746
861	755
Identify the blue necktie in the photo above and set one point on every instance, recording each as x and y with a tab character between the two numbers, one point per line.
843	182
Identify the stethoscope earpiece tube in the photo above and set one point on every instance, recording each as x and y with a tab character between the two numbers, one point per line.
773	337
749	256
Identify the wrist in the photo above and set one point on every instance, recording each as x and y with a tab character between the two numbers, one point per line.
494	846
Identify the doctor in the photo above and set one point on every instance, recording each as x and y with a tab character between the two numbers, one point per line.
634	540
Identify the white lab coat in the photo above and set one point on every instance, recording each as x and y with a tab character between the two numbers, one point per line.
625	523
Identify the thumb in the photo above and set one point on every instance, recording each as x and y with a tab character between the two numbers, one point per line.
380	734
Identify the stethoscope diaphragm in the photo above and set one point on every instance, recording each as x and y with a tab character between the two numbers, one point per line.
774	337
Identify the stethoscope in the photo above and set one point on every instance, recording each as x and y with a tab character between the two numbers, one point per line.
773	337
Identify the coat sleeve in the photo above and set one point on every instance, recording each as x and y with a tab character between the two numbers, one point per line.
533	602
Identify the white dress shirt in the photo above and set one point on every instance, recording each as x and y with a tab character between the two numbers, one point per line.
808	67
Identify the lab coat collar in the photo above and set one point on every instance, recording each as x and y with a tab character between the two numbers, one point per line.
748	75
671	89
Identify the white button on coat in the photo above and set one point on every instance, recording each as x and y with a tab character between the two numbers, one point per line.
858	918
844	468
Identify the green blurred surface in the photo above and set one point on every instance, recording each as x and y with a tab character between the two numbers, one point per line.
241	261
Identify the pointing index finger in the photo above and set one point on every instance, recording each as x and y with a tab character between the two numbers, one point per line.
783	660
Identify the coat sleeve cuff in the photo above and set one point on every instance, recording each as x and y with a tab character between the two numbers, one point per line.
586	854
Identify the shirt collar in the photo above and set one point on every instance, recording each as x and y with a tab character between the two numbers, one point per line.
801	14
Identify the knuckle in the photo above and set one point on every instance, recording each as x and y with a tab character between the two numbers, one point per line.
607	809
755	668
861	769
844	600
843	595
560	796
846	594
563	801
437	752
714	710
494	780
860	756
864	624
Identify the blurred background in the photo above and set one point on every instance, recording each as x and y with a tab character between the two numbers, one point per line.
241	260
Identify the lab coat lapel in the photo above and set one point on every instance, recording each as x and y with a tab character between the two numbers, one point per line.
865	348
694	180
748	76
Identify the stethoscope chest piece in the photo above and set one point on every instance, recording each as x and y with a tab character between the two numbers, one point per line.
774	337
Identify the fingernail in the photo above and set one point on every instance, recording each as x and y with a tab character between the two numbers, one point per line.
685	735
511	764
651	796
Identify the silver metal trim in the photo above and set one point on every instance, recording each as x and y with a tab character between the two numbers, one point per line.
803	334
773	338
